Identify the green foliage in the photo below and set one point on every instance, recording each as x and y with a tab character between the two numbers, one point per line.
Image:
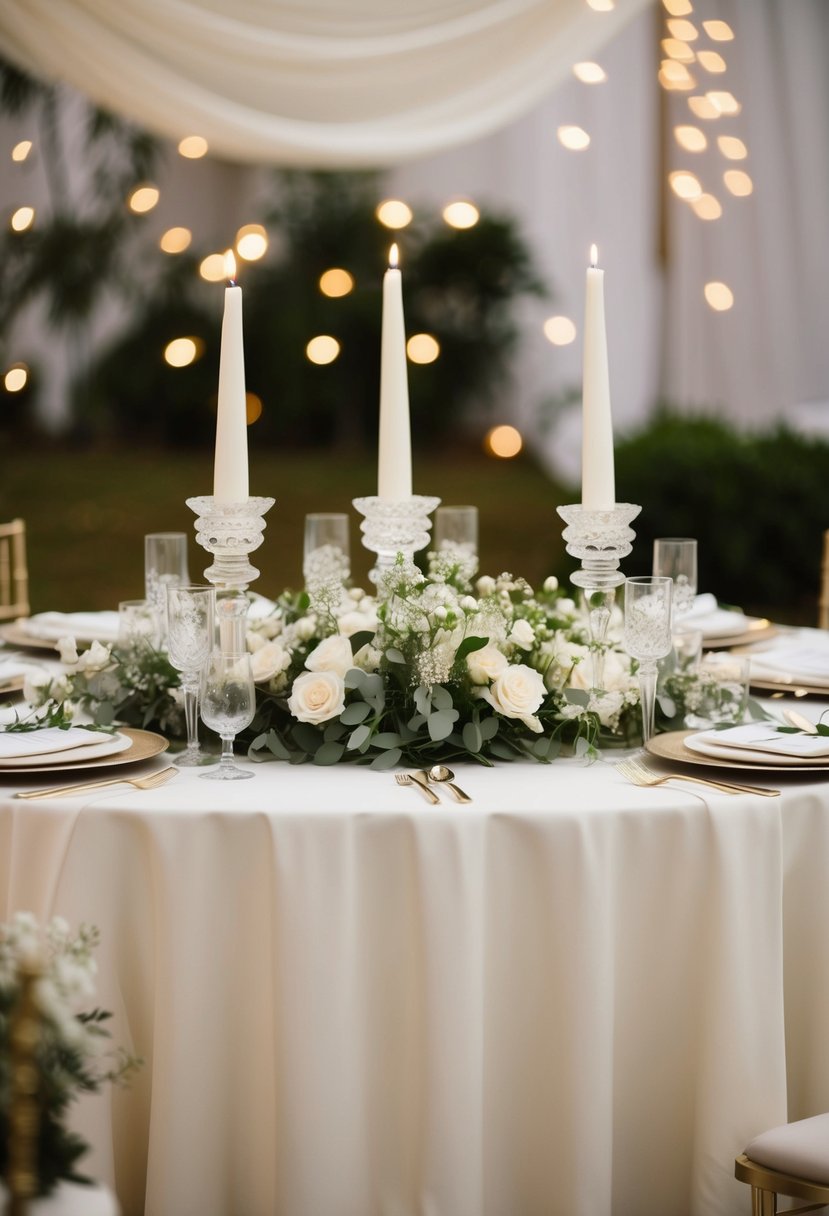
756	501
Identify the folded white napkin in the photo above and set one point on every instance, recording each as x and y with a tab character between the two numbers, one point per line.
804	659
762	737
48	739
82	626
714	622
12	668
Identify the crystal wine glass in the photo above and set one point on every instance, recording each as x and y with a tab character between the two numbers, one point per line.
326	548
165	565
228	701
676	557
191	625
456	527
648	636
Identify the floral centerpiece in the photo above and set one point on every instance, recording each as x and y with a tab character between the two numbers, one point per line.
436	665
70	1055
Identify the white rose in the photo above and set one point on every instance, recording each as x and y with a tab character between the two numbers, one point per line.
617	676
485	585
332	654
38	686
571	655
357	622
522	634
608	705
255	641
268	661
95	659
566	607
68	650
317	696
517	693
485	664
367	658
551	584
304	628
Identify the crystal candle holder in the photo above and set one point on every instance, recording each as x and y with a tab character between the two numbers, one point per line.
391	527
229	531
599	539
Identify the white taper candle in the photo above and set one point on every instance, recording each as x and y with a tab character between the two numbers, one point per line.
394	463
230	468
598	480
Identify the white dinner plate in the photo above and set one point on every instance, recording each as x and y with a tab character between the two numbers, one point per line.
672	746
110	745
729	751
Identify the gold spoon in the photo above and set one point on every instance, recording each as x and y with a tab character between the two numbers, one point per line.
441	775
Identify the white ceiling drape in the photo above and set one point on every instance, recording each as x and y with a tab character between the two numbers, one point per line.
321	83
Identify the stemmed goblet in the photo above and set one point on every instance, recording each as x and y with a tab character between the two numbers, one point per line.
326	548
227	706
676	557
456	527
191	625
648	636
165	565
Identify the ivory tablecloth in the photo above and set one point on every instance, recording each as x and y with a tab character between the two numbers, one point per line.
574	996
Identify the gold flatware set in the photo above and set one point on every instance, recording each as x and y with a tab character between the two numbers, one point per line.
424	779
142	783
639	774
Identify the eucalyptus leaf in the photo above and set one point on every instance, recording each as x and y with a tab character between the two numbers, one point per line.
104	713
358	738
329	753
416	722
489	727
441	723
356	712
386	760
472	738
501	749
355	678
441	697
334	731
386	739
276	746
581	746
469	646
360	639
394	655
306	736
423	701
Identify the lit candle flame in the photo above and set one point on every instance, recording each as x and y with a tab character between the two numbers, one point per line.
594	256
230	266
393	258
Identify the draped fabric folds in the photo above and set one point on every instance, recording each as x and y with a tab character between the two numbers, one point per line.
320	83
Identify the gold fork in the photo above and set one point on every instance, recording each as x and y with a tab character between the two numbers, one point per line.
640	774
141	783
408	779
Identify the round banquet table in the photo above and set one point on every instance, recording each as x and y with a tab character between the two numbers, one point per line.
572	996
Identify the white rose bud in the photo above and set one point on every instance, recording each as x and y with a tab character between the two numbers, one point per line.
517	693
95	659
255	641
304	628
485	664
367	658
332	654
551	584
356	622
440	613
68	651
566	607
469	603
317	696
485	585
522	634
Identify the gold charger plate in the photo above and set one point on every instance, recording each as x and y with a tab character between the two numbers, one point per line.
790	688
145	745
16	635
671	746
760	630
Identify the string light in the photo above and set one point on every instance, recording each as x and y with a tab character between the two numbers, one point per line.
560	331
143	199
719	296
461	214
675	75
253	408
738	182
685	185
181	352
394	213
336	283
681	51
725	103
575	139
691	139
21	151
701	107
322	349
252	242
711	61
707	207
685	31
678	8
718	31
503	441
602	6
589	73
193	147
175	240
16	378
422	348
212	268
22	219
731	147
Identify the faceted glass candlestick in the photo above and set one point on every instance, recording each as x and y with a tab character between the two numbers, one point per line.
229	531
392	527
599	539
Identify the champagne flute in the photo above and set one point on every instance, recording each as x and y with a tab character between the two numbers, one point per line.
676	557
648	636
165	565
456	527
191	614
228	701
326	547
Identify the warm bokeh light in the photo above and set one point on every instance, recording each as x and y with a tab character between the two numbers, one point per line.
707	207
252	242
738	183
253	408
675	75
212	268
461	214
561	331
22	219
602	6
193	147
718	296
701	107
684	184
503	441
181	352
394	213
674	49
725	103
422	348
691	139
322	349
16	378
21	151
143	199
574	138
718	31
589	72
678	8
336	282
731	147
175	240
685	31
712	61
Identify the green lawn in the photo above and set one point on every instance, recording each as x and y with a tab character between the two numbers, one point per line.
87	513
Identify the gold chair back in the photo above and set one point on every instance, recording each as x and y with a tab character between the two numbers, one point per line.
823	602
24	1035
767	1184
14	576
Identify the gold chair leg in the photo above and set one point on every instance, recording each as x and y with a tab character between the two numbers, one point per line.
763	1203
